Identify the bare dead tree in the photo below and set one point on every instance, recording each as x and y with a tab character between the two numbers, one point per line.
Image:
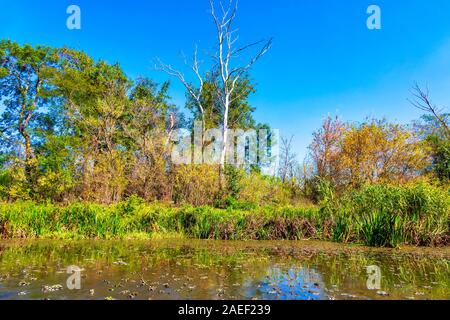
288	159
422	101
228	72
196	94
226	52
171	127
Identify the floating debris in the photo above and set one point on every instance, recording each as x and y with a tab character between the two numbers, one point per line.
120	263
56	287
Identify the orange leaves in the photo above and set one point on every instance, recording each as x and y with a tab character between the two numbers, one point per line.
372	152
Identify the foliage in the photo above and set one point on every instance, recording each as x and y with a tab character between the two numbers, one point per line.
28	95
80	134
438	140
351	155
386	215
264	190
196	184
234	179
377	215
441	157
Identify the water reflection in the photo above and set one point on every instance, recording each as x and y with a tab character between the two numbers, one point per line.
218	270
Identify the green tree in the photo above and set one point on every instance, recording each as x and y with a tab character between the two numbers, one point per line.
148	127
27	94
435	129
95	105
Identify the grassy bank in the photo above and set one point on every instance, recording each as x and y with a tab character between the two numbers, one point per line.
376	216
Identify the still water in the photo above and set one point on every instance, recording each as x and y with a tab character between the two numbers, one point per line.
188	269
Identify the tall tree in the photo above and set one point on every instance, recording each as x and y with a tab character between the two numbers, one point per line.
27	93
241	112
147	128
378	151
435	129
288	162
228	75
422	101
349	155
194	94
325	149
230	72
96	103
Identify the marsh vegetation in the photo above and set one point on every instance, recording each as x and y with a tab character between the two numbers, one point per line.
179	269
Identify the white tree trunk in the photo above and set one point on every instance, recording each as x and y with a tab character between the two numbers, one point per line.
224	150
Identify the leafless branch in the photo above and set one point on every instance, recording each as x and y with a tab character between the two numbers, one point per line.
288	158
225	53
422	101
197	96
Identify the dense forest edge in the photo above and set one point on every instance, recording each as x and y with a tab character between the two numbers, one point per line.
85	152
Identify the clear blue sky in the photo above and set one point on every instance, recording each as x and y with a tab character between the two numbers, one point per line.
324	59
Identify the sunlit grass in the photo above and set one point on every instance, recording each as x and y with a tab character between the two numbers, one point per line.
379	215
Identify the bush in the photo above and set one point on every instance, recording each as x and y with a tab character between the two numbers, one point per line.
196	184
376	215
5	184
264	190
442	159
234	178
384	215
81	220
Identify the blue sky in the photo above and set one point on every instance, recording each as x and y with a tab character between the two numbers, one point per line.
324	59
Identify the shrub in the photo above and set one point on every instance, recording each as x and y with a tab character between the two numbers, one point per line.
5	184
264	190
196	184
375	215
385	215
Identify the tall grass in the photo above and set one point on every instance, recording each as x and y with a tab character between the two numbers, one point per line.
383	215
31	220
377	215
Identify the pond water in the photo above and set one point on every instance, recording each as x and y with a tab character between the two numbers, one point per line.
188	269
